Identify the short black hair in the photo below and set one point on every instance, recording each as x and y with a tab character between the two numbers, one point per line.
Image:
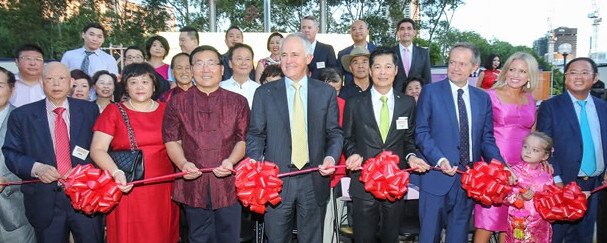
28	47
595	68
270	38
163	41
270	71
329	75
489	61
238	46
134	48
206	48
99	73
11	77
176	56
380	51
192	32
79	74
408	20
136	70
233	27
94	25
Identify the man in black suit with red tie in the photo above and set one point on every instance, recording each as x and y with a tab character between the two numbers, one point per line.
413	61
45	140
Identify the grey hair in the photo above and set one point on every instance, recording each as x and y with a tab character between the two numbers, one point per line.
310	17
301	37
476	60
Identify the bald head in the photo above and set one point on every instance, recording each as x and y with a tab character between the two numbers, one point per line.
359	31
56	82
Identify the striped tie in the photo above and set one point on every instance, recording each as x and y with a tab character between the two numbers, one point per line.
62	143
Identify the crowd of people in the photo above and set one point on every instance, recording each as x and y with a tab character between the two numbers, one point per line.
301	107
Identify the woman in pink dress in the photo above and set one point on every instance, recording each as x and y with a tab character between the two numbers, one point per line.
157	48
525	224
513	118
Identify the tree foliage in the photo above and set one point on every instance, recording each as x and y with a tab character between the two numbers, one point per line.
56	25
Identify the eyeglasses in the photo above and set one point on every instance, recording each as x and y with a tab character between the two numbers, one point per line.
584	74
208	63
31	59
134	58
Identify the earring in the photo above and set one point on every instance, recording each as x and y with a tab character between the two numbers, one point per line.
528	85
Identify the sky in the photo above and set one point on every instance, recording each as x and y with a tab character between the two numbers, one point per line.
520	22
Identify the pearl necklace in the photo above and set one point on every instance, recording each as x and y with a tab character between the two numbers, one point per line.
150	107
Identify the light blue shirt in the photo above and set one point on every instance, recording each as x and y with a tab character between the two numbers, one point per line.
595	130
303	93
99	60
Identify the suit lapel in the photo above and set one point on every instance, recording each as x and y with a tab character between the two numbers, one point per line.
475	113
602	114
40	123
401	69
280	94
398	110
447	100
75	123
370	116
569	115
414	58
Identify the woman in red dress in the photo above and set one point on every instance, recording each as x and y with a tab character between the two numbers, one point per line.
145	213
488	76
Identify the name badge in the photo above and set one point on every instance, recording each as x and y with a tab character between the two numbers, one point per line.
402	123
80	153
320	65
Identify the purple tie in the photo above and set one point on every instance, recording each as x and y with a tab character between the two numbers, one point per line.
406	61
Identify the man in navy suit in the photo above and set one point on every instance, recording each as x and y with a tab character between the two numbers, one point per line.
454	128
359	30
378	119
416	59
323	54
44	140
294	124
577	122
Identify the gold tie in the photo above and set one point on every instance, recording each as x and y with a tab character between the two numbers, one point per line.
299	137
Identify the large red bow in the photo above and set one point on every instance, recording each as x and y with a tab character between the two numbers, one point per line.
383	178
487	183
257	183
561	204
91	190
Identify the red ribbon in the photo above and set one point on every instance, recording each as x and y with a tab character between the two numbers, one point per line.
257	183
487	183
91	190
382	177
561	204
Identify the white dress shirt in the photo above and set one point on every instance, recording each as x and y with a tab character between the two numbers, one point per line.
376	102
247	89
25	93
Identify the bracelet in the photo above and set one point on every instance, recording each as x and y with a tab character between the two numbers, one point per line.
117	170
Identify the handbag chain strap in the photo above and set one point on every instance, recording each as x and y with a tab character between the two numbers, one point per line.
128	127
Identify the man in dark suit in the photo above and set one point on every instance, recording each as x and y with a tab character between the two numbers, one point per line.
13	223
454	128
294	125
359	30
44	140
577	122
379	119
412	60
323	54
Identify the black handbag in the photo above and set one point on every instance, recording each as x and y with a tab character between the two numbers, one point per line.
130	161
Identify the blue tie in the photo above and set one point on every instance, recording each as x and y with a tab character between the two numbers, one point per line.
85	62
464	144
588	154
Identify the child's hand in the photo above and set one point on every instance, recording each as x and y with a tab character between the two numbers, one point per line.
527	195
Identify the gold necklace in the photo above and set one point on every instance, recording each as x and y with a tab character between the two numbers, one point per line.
137	109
